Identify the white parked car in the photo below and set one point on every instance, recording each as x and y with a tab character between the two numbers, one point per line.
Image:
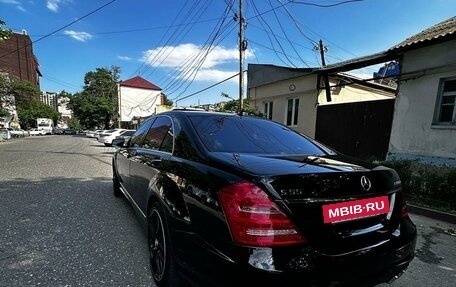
5	134
37	132
18	133
107	137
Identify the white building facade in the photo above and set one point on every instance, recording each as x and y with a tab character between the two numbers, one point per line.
137	98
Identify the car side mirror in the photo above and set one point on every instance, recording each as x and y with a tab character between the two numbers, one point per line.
118	142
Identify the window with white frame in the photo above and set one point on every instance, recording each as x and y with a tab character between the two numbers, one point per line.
268	106
445	112
292	112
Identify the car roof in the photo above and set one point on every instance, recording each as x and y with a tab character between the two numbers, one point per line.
195	112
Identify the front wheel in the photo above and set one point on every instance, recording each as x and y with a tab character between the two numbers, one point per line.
162	262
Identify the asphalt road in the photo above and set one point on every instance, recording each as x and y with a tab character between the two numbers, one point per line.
61	226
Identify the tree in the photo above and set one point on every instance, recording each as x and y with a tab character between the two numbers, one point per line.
73	123
24	92
166	101
5	34
29	112
232	106
4	112
96	104
102	82
6	100
91	111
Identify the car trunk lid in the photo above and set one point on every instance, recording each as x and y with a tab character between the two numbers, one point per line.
307	187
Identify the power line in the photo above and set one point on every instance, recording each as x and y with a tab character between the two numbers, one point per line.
55	31
174	36
285	34
271	49
324	6
211	86
137	29
193	64
210	47
265	23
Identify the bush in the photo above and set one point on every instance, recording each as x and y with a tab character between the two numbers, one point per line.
425	184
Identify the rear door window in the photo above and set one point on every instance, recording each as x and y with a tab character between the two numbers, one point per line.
160	136
139	134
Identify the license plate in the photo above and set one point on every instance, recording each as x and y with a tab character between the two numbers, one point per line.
355	209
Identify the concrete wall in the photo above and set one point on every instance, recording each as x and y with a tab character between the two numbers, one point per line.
279	92
413	134
136	102
353	93
305	88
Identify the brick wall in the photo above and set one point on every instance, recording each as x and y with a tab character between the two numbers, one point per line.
17	58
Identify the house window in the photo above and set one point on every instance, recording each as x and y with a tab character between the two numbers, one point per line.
268	110
292	112
446	104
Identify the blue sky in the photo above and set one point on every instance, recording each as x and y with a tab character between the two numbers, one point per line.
186	46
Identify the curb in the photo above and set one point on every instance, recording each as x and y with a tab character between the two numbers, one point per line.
432	213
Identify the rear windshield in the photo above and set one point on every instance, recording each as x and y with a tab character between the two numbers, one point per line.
222	133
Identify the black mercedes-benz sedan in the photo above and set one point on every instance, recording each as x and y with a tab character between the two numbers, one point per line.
232	200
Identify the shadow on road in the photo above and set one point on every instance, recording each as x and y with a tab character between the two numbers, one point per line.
69	231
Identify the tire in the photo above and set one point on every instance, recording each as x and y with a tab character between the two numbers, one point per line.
162	261
116	185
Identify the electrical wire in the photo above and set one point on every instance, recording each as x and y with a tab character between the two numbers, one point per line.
286	36
207	88
324	6
166	49
265	23
59	29
189	72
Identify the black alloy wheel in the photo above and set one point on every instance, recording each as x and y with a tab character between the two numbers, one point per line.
162	262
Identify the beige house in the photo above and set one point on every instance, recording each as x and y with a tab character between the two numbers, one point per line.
291	96
424	122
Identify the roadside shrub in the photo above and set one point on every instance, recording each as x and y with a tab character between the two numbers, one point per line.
425	184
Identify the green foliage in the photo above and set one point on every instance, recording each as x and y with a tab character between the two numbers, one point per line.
4	33
91	111
166	101
102	82
5	87
29	112
426	184
24	92
3	112
74	123
232	106
95	105
23	95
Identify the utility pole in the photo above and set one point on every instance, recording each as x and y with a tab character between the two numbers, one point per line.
242	48
322	50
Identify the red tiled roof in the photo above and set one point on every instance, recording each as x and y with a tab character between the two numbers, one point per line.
138	82
439	32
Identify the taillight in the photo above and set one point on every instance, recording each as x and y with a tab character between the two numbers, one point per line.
255	220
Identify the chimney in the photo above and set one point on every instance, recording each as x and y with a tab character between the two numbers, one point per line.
24	32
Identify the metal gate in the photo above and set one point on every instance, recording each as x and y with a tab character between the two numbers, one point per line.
360	129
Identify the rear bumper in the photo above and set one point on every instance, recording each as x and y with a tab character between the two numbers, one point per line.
307	267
